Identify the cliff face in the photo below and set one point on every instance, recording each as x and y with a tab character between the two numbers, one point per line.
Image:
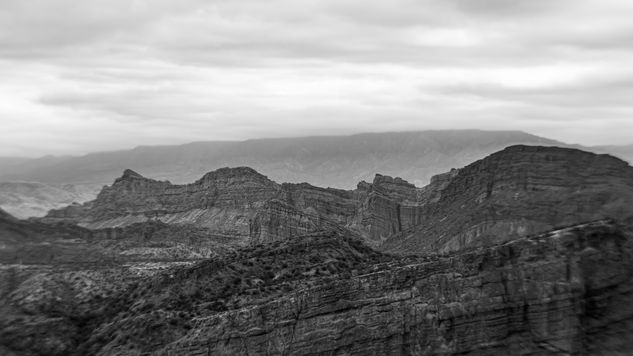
283	269
240	202
565	292
223	200
520	191
515	192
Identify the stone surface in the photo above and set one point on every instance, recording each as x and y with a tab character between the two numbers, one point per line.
235	263
515	192
568	291
519	191
223	200
32	242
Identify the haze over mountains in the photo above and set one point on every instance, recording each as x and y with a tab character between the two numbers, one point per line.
336	161
26	199
329	161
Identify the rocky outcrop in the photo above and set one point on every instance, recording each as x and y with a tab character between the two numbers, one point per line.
45	311
279	221
240	202
389	206
520	191
568	291
223	200
432	193
283	269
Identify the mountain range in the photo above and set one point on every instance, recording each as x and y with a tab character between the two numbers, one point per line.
527	250
330	161
34	186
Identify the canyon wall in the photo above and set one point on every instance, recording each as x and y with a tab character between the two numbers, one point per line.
515	192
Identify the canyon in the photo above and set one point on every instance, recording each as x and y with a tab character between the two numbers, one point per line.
517	191
525	251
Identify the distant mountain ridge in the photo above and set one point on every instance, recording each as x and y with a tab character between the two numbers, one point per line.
331	161
34	186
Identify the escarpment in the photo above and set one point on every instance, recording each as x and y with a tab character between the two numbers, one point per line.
240	202
223	200
519	191
515	192
236	263
568	291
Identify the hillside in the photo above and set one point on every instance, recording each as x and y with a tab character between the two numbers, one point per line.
568	291
236	263
517	191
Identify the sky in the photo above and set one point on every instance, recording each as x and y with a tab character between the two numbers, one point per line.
79	76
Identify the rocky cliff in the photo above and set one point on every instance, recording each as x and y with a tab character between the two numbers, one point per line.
223	200
520	191
565	292
515	192
235	263
568	291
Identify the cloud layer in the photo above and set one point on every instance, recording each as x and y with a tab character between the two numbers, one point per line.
80	76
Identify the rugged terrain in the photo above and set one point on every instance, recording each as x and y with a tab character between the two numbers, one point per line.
568	291
518	191
336	161
36	243
476	262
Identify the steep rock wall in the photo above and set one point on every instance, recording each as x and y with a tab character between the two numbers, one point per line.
520	191
565	292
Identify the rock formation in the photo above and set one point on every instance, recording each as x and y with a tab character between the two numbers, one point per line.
235	263
515	192
520	191
223	200
568	291
565	292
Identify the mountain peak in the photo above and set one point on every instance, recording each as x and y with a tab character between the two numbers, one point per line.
130	174
234	172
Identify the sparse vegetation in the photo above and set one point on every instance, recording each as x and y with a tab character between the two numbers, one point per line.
160	310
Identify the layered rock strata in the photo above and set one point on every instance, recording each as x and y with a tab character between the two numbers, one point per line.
564	292
520	191
515	192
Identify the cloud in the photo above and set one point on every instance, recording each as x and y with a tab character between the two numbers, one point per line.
81	76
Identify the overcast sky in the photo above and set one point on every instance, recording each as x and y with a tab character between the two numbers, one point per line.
85	75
